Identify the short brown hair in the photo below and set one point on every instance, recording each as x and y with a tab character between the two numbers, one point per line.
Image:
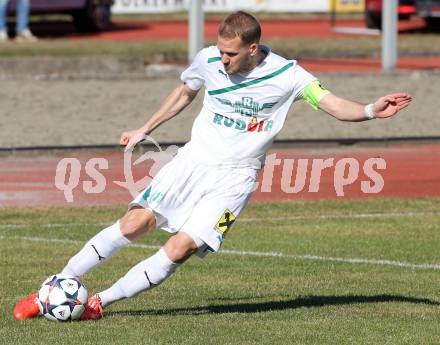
243	25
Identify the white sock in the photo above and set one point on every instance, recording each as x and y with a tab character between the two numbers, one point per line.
145	275
99	249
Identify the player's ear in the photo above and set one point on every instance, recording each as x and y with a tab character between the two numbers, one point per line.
253	48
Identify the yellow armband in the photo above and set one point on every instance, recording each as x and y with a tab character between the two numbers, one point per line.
313	93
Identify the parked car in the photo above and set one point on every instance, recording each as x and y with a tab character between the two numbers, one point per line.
430	10
88	15
427	9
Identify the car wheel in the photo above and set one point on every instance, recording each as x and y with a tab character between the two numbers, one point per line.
373	20
94	17
433	23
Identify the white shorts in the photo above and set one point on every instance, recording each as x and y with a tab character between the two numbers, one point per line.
200	200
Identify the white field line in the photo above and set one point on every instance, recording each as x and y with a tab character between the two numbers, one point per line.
354	261
51	225
64	241
343	216
249	219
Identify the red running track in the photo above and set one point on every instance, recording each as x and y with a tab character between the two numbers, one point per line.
312	28
412	171
178	29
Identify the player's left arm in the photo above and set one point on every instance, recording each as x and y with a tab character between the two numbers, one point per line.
346	110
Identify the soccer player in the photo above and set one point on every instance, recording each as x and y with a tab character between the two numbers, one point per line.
198	195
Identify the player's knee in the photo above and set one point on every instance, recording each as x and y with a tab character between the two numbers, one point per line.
179	254
136	222
180	247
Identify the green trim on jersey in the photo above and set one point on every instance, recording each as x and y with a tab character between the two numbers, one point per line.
313	93
146	194
252	82
214	59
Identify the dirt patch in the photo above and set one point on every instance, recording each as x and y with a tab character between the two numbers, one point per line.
88	112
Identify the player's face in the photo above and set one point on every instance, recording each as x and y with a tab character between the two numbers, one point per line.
236	56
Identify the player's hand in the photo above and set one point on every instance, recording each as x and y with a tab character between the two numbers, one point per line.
389	105
131	138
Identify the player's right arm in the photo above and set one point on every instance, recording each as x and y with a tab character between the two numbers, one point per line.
173	104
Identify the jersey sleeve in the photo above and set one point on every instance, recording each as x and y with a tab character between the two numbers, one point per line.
194	75
308	88
301	78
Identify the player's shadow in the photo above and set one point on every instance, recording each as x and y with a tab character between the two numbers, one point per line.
301	302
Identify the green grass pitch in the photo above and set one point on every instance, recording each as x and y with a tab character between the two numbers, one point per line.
248	294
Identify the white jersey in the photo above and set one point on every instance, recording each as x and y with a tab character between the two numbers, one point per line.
240	118
241	113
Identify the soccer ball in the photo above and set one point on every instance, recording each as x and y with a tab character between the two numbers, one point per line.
62	298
